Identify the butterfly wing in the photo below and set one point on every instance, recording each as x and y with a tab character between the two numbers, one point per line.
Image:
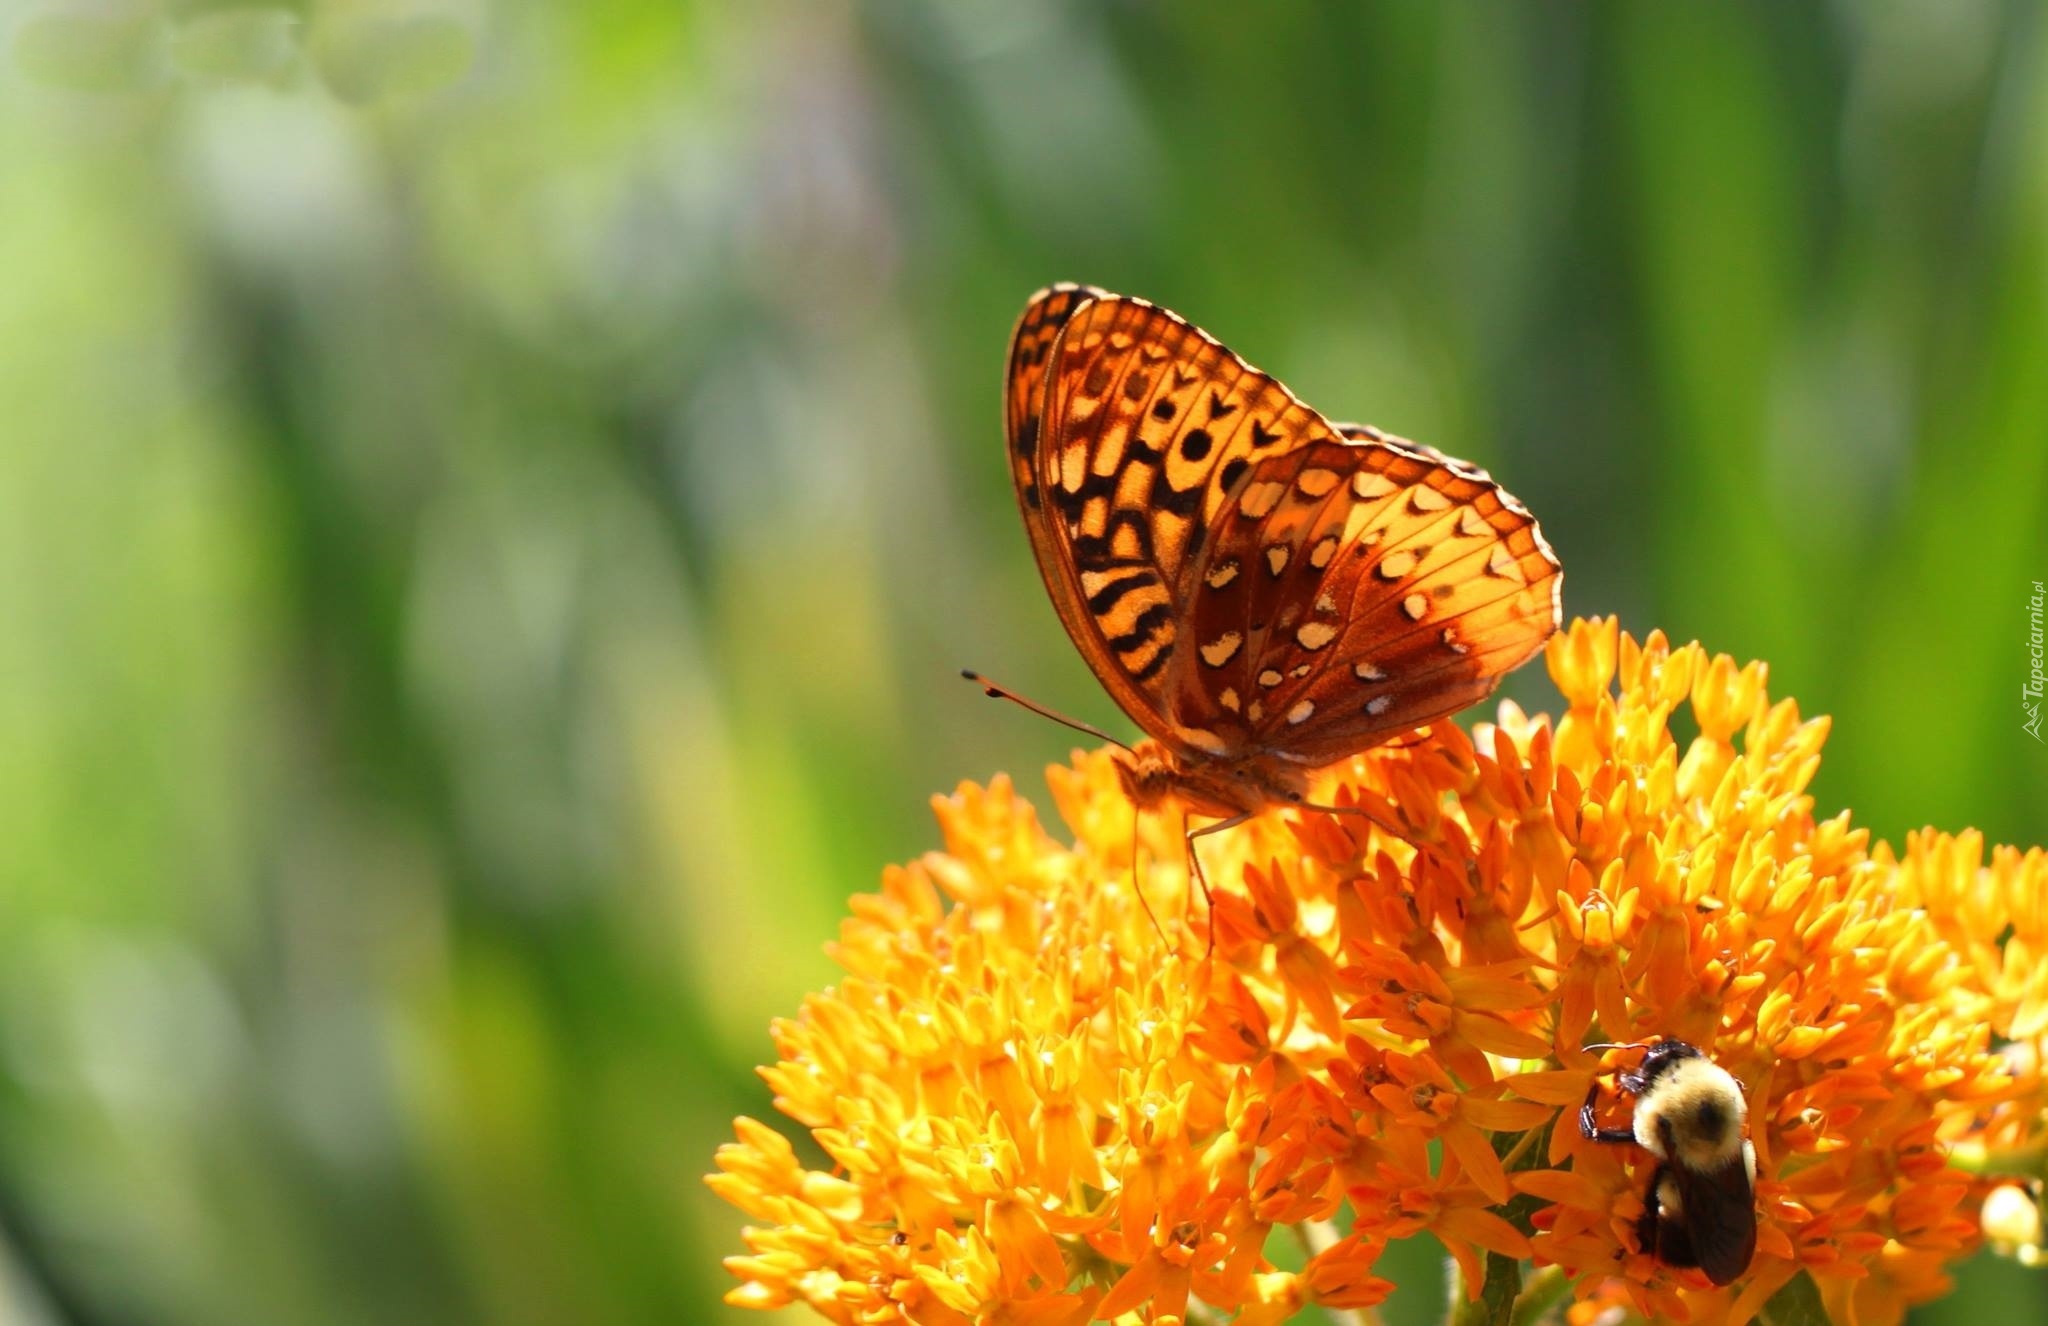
1031	343
1355	590
1244	576
1130	432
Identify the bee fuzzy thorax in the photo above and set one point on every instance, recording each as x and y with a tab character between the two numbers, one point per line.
1693	1115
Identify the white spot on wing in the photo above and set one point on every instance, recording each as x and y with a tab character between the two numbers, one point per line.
1301	711
1397	564
1260	498
1316	482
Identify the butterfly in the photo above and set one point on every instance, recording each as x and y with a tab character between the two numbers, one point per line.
1262	591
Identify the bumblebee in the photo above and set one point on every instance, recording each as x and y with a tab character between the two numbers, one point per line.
1700	1207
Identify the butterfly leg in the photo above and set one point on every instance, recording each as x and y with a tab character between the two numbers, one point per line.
1195	867
1378	820
1137	891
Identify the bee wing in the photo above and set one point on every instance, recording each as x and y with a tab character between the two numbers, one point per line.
1718	1208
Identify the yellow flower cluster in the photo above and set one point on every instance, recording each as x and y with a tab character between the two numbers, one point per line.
1030	1104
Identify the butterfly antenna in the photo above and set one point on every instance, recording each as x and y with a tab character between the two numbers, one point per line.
996	691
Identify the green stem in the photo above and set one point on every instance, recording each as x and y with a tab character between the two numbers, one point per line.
1498	1294
1317	1236
1543	1291
1460	1310
2029	1162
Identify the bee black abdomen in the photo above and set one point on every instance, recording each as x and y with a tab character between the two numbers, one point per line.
1646	1233
1661	1232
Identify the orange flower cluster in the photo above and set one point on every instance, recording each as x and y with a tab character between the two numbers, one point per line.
1030	1105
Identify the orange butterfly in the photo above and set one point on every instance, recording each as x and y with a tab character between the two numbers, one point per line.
1262	591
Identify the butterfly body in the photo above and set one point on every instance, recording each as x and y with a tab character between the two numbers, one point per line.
1151	773
1262	591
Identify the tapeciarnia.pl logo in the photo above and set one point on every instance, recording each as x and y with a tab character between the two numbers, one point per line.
2030	694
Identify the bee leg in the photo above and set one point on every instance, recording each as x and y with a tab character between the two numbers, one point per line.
1589	1122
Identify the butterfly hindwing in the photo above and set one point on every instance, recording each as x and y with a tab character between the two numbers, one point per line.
1383	587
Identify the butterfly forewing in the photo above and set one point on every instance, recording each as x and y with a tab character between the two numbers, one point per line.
1145	426
1247	579
1024	384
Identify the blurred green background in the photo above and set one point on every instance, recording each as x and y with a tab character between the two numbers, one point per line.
493	497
